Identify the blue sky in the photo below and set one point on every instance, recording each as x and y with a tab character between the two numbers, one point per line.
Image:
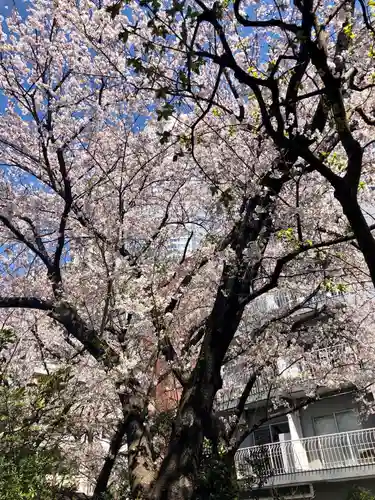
6	5
5	8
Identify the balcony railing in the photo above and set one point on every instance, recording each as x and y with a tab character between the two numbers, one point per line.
273	301
318	453
233	385
324	359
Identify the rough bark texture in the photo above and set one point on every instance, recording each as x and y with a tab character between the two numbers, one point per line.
140	456
105	473
359	226
179	470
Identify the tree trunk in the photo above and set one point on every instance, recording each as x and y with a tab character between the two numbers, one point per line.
179	470
140	457
359	226
105	473
176	479
178	473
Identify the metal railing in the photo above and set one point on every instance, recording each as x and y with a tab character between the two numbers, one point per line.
234	382
329	451
273	301
235	378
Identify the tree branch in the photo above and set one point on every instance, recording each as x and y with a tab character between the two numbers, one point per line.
114	448
271	23
56	273
26	303
22	239
68	317
280	263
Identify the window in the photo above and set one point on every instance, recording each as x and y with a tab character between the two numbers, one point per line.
342	421
336	445
270	451
270	433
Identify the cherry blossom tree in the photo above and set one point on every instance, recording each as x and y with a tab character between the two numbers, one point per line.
300	73
146	224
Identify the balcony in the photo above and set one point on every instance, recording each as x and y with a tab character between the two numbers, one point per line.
299	372
282	299
234	382
343	455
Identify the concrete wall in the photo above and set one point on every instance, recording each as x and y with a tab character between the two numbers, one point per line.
322	491
340	490
327	406
337	488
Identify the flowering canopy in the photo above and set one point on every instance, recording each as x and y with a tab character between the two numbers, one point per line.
167	207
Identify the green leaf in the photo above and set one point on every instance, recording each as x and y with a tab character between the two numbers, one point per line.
213	190
123	36
182	76
184	140
114	10
196	65
7	337
178	155
287	234
191	13
166	112
136	63
164	137
161	93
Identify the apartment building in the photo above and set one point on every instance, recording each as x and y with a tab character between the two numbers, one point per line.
320	451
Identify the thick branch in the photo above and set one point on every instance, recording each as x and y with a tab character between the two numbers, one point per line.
22	239
68	317
114	448
280	263
64	217
26	303
271	23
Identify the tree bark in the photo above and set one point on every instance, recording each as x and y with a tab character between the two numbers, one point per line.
105	473
359	226
177	476
140	453
176	479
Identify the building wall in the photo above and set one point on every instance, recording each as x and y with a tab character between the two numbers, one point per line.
327	406
340	490
341	480
168	391
321	491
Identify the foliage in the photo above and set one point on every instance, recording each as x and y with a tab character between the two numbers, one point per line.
216	480
358	493
25	477
32	466
119	487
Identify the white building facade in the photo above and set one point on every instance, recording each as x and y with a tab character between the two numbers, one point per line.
321	451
